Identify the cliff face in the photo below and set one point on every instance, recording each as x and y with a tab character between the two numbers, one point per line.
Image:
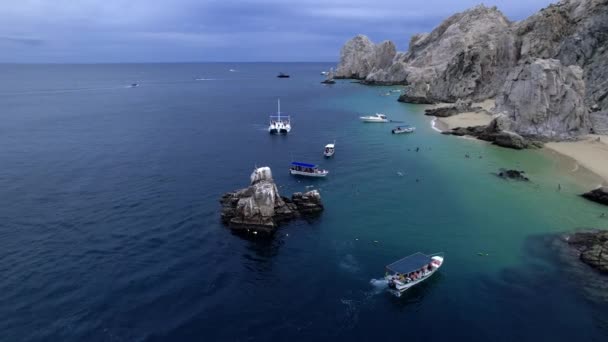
479	54
544	98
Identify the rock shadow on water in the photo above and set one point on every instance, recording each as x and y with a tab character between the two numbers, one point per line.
553	286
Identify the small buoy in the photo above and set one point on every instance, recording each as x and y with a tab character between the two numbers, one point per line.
356	239
255	232
286	234
375	241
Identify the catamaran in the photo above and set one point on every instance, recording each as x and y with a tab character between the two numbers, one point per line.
403	129
308	170
329	150
374	118
279	124
412	270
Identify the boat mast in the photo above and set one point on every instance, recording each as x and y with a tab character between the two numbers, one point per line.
279	109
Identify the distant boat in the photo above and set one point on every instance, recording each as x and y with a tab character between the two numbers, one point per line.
279	124
232	70
282	75
329	150
330	77
307	170
133	85
412	270
375	118
324	73
403	129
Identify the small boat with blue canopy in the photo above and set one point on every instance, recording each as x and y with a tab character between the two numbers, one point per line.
412	270
403	129
308	170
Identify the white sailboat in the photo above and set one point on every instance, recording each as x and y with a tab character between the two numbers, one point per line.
279	124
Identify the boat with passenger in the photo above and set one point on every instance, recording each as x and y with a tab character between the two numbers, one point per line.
374	118
279	124
403	129
412	270
308	170
329	150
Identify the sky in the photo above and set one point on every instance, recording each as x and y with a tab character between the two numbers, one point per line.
113	31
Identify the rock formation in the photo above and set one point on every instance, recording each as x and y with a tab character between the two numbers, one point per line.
593	248
359	57
541	97
259	207
512	174
459	107
546	72
599	195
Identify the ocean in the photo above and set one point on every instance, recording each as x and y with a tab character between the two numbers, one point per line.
110	226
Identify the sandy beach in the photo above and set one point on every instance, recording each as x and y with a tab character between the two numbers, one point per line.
591	153
467	119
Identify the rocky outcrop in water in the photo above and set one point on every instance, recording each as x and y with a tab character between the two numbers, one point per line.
593	248
360	56
599	195
512	174
260	208
547	71
498	132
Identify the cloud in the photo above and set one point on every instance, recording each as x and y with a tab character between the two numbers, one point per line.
23	40
95	30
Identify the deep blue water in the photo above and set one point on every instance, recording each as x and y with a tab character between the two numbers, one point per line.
109	215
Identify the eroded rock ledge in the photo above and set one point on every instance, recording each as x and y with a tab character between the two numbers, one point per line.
593	248
260	207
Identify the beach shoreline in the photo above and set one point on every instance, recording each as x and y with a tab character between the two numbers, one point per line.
589	155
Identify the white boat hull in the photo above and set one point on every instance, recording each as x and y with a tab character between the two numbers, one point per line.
398	287
317	174
365	119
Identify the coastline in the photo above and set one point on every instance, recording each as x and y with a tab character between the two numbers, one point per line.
466	119
589	155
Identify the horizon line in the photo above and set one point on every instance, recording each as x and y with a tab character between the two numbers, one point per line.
176	62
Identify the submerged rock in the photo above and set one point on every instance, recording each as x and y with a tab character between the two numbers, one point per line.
593	248
259	207
599	195
512	174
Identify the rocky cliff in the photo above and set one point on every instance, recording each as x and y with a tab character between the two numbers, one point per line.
547	72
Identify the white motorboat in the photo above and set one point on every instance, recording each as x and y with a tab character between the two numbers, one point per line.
403	129
308	170
324	73
375	118
279	124
412	270
329	150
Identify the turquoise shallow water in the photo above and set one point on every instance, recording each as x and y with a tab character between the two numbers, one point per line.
110	219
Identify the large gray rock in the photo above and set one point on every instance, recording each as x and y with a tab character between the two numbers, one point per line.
260	208
593	248
471	54
543	98
360	57
576	33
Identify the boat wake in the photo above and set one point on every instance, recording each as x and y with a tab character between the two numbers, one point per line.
205	79
379	285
